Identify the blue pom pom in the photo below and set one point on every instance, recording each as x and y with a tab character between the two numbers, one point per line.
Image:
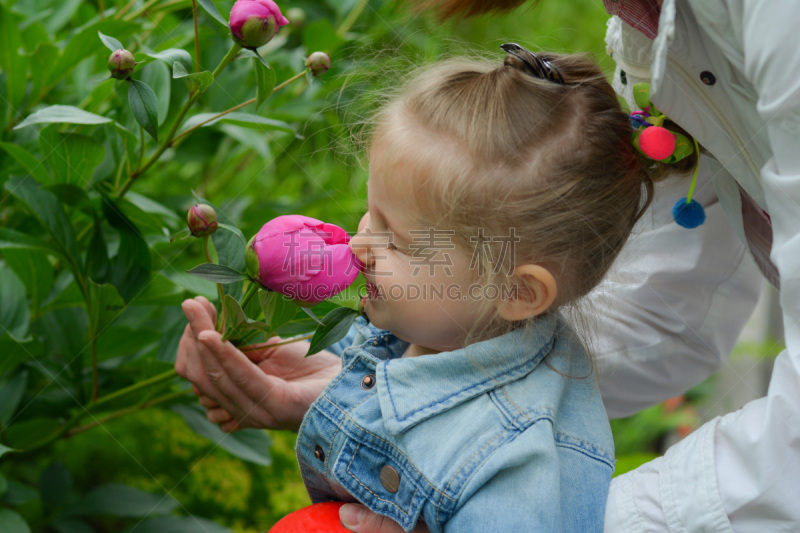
689	215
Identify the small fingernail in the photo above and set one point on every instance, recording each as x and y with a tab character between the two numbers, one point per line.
205	338
187	311
351	515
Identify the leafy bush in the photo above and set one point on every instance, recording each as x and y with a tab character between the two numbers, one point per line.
96	175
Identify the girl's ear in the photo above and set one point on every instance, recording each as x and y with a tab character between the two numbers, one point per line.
533	293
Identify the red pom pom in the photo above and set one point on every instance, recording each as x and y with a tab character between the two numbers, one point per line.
657	143
317	518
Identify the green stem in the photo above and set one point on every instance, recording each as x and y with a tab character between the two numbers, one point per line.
252	290
159	378
352	17
119	14
239	106
127	410
141	147
95	373
265	345
101	6
196	38
142	10
167	142
230	56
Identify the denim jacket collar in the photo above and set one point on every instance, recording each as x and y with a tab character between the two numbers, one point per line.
412	389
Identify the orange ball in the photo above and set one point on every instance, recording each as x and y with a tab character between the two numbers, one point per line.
316	518
657	143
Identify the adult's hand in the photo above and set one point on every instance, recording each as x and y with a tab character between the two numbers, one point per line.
270	388
358	518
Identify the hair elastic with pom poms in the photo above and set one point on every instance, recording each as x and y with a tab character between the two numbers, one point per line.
655	141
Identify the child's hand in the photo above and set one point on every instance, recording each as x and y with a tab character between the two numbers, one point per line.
358	518
271	388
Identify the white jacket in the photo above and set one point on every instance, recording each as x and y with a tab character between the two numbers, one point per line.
679	297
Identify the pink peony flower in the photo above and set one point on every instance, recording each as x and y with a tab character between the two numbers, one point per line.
303	258
254	23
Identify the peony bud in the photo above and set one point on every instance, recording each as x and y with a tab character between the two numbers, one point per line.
121	64
202	220
318	63
254	23
302	258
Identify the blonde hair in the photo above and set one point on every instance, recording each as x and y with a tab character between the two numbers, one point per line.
511	153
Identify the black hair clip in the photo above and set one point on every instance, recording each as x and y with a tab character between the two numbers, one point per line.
538	67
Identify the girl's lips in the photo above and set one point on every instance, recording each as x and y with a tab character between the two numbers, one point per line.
372	291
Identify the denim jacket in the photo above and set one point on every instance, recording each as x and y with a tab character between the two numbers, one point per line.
509	434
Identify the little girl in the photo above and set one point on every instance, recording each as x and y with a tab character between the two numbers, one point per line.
498	194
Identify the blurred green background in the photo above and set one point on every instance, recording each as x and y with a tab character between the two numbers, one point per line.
50	57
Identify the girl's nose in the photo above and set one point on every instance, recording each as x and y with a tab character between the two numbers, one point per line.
359	244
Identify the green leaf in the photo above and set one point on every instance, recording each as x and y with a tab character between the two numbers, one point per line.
203	79
41	59
45	206
160	291
3	484
71	526
212	10
5	449
178	524
64	11
97	265
12	388
252	445
73	196
110	42
14	312
12	62
20	435
10	239
265	78
121	500
334	327
144	106
156	75
181	235
247	120
31	163
237	323
278	310
55	485
217	273
130	268
174	55
106	305
62	114
151	207
11	522
34	270
72	157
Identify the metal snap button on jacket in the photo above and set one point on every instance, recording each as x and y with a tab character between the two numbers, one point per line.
390	479
708	77
319	453
368	382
